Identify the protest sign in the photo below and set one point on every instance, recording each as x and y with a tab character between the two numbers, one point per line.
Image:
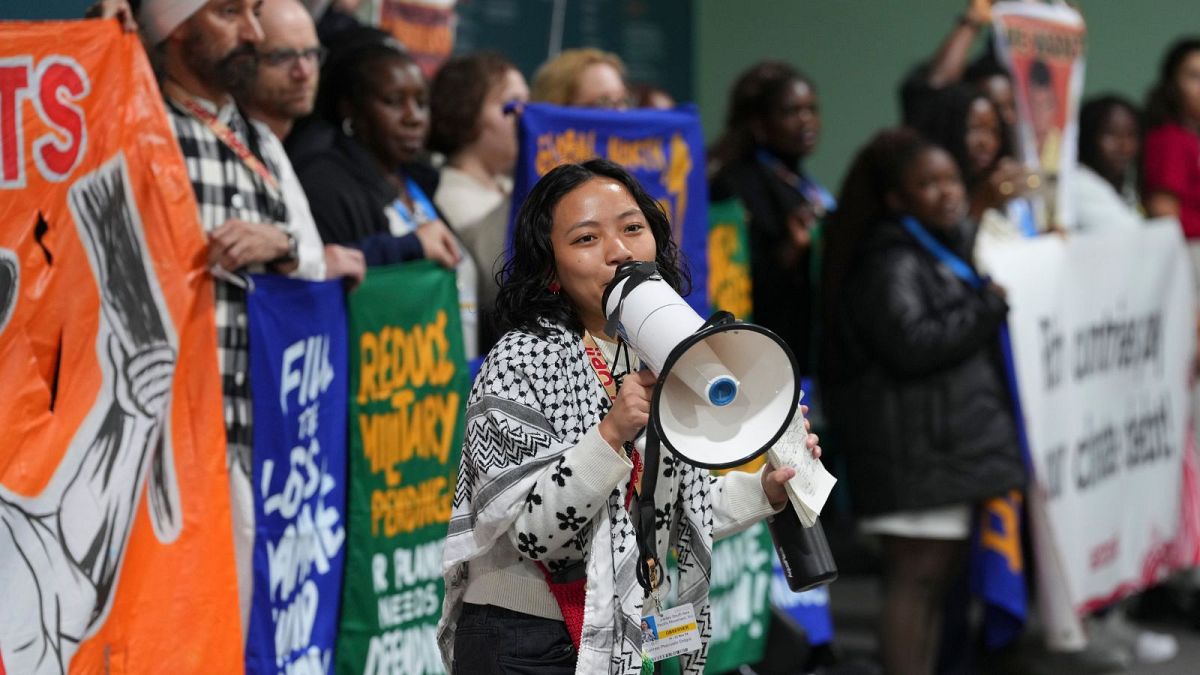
299	375
114	502
1102	351
408	390
1042	46
729	283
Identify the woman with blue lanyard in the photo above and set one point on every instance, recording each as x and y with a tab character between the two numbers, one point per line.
772	125
363	168
913	378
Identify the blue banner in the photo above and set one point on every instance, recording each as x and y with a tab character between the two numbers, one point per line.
663	149
810	609
299	378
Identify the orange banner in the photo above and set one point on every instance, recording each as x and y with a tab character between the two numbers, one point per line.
115	547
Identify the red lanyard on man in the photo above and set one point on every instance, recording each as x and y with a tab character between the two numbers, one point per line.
222	132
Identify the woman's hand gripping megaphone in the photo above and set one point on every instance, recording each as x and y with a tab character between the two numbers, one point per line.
631	409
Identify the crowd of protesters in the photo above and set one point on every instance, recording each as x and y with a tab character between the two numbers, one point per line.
317	147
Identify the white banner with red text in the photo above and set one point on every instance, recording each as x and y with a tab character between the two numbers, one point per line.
1103	334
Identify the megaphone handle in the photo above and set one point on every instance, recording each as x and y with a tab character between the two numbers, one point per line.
649	571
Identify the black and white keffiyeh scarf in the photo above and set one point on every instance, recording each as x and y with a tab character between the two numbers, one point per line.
533	400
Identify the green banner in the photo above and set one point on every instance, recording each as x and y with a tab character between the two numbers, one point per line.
408	389
729	260
739	594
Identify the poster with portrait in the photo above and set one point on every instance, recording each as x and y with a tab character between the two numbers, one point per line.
116	552
1042	45
425	27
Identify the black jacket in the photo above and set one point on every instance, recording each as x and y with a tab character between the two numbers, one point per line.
348	193
920	402
781	295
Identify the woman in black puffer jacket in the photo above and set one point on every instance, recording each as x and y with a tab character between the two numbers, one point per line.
913	379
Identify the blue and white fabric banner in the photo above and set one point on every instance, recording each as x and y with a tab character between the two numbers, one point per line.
663	149
299	380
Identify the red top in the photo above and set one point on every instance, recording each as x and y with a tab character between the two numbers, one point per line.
1172	164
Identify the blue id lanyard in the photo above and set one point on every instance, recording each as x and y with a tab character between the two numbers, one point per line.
963	271
957	265
423	210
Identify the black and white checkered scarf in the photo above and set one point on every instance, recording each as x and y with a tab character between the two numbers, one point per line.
534	399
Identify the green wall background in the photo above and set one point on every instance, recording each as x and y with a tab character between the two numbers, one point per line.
857	51
32	10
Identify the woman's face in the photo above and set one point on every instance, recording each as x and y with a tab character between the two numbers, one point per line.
497	141
601	86
1118	143
932	191
1187	81
983	135
792	126
596	227
393	117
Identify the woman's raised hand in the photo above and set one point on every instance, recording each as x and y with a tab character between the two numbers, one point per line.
630	411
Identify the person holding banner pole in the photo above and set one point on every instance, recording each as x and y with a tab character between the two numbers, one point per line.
949	67
970	126
203	52
913	379
772	124
541	556
282	91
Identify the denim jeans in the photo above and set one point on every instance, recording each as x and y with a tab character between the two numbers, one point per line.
491	640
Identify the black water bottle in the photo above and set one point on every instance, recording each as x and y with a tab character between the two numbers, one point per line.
803	551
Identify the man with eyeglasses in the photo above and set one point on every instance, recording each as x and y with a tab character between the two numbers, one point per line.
284	89
289	64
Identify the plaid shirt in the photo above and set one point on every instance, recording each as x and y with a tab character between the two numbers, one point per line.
226	188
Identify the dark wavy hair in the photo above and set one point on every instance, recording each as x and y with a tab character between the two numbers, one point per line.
876	170
756	91
1162	103
985	67
946	125
1092	117
456	98
525	299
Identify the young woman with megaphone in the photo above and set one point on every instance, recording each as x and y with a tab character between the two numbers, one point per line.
542	555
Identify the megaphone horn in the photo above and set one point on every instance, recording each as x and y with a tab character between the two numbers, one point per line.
726	390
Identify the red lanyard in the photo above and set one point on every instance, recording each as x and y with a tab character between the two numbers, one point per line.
609	382
230	139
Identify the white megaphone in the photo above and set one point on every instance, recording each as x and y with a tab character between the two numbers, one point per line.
726	390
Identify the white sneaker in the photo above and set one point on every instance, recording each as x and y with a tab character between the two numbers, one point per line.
1152	647
1146	646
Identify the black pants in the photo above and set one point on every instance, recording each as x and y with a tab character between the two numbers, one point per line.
491	640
